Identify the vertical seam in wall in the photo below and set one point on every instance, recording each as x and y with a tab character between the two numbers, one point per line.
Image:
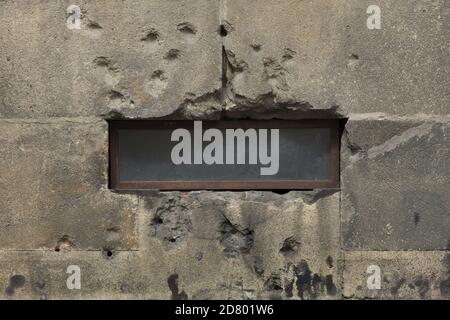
341	266
223	76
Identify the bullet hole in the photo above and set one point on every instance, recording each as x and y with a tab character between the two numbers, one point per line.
158	74
223	31
353	61
172	221
15	282
288	54
172	282
329	262
94	25
8	59
108	253
256	46
290	245
113	94
151	36
172	54
64	243
102	61
186	28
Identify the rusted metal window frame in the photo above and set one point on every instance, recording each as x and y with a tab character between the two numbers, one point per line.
116	184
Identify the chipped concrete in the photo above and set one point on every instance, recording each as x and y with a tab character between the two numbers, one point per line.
213	60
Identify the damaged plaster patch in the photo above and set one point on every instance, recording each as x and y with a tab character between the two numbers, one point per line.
275	74
235	241
236	65
157	83
64	243
172	221
204	107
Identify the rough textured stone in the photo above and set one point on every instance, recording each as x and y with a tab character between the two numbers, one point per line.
53	178
136	58
404	275
241	236
395	185
321	54
199	265
224	59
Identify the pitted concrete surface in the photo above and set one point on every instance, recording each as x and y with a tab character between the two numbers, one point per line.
205	59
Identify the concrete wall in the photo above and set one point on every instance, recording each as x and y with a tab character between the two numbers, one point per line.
284	59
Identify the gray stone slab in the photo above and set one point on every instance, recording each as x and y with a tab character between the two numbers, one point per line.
53	178
320	54
134	58
395	193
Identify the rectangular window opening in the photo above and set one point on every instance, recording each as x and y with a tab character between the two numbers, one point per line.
277	155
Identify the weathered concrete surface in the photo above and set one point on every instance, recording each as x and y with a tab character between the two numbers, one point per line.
53	178
282	59
404	275
395	185
249	244
321	53
202	245
137	58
